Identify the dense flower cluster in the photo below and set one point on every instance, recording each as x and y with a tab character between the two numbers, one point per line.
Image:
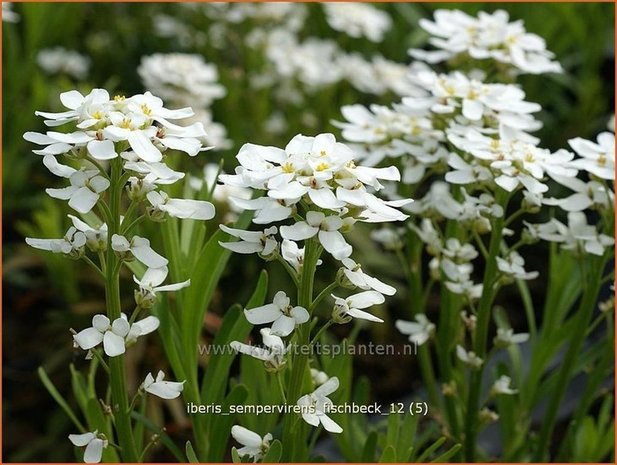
133	135
184	79
487	36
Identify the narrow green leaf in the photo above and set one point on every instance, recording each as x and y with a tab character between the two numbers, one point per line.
388	455
220	425
369	451
274	452
430	449
164	438
59	399
190	453
446	456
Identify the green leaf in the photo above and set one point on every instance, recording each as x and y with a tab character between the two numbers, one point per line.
59	399
446	456
190	453
234	456
220	425
370	448
430	449
388	455
235	327
274	452
163	437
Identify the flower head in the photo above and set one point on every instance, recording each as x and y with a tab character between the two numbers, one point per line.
315	406
252	443
280	313
94	444
161	388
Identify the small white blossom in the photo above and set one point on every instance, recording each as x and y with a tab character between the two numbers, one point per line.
112	335
419	331
84	191
468	358
139	248
92	441
502	386
181	208
273	355
315	405
150	284
506	337
60	60
514	265
597	158
252	443
71	244
264	243
358	20
161	388
353	272
326	228
345	309
280	313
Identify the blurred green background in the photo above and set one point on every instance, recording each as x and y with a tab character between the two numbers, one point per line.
44	295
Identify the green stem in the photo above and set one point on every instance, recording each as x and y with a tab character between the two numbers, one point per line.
322	295
295	444
321	331
585	312
119	391
481	333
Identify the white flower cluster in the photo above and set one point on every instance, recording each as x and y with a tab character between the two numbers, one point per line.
186	79
315	183
487	36
358	20
133	135
58	60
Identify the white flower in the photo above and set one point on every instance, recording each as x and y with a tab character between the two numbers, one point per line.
318	377
59	60
468	358
181	208
502	386
181	78
506	337
88	110
513	265
353	272
358	20
273	355
96	238
315	405
283	316
72	243
84	191
93	442
8	14
596	158
577	236
419	331
160	388
389	238
253	444
591	194
487	36
111	335
138	247
457	252
345	309
326	228
141	328
263	243
458	279
150	284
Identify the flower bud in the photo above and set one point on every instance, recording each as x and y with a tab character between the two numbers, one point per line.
342	279
144	298
339	315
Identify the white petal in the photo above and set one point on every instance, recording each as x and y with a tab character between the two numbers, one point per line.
146	255
283	325
328	387
100	322
472	109
94	451
300	315
88	338
335	244
298	232
329	424
144	147
166	389
120	327
325	198
113	344
83	200
365	299
71	99
63	194
80	440
245	436
190	209
361	314
242	247
56	168
120	243
262	315
155	276
146	325
102	149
